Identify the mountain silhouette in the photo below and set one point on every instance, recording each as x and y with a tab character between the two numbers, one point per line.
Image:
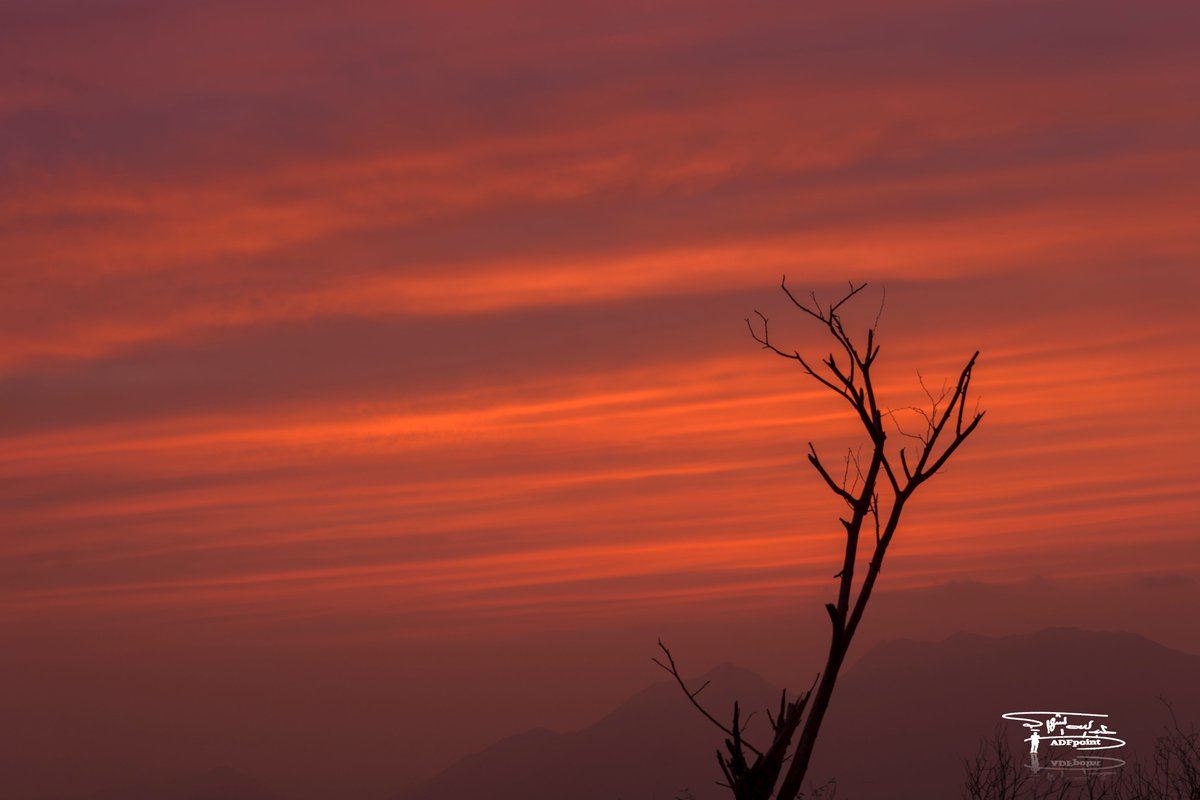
901	723
908	713
652	746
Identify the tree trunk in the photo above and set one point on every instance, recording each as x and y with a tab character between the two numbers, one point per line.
790	787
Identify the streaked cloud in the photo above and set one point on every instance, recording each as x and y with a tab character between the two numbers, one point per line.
397	323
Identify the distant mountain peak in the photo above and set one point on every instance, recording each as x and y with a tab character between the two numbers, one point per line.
903	720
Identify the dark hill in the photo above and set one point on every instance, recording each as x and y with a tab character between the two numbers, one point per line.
903	720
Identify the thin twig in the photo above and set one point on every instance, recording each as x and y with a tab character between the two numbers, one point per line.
691	696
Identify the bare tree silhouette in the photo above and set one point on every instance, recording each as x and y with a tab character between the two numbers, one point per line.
996	773
1171	772
875	491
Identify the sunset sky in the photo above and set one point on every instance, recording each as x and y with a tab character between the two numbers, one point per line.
374	380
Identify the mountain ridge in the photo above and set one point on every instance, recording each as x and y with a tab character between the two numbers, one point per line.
945	695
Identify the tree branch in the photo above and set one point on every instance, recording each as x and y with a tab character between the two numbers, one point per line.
732	733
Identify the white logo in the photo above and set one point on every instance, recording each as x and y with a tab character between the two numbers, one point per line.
1076	730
